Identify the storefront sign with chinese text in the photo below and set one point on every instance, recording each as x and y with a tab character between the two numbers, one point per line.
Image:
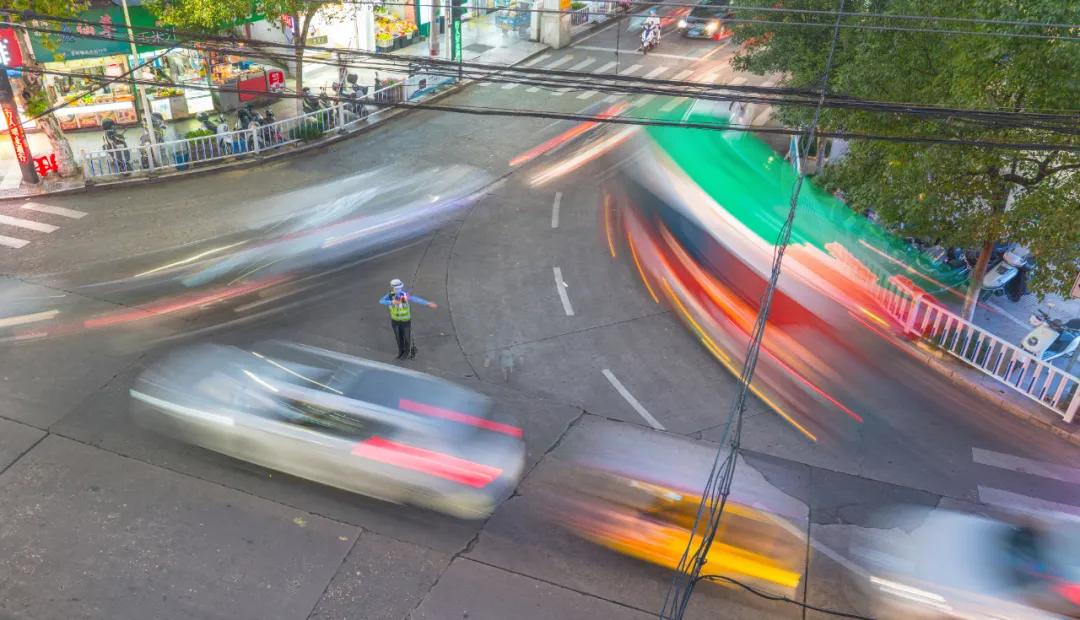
104	35
10	54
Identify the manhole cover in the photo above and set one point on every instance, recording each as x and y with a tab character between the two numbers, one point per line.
479	48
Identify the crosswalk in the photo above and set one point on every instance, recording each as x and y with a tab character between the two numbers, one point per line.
29	222
1045	487
579	60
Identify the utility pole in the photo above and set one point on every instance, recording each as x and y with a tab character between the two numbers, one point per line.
15	128
433	31
148	118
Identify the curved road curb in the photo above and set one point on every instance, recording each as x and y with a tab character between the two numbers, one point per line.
1016	405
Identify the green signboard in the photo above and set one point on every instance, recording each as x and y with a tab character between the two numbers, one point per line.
104	34
456	12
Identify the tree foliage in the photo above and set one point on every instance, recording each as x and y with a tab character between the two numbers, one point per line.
31	86
967	196
214	16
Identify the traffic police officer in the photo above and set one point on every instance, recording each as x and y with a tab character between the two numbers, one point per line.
399	301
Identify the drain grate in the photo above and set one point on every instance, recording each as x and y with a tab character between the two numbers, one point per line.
479	48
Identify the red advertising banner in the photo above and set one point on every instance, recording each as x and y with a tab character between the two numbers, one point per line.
10	54
276	78
15	130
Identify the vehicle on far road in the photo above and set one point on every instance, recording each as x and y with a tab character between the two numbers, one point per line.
350	423
706	21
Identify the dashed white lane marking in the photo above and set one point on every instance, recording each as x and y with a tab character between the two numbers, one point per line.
12	242
1023	503
560	286
655	72
555	210
1026	466
29	224
538	59
12	321
72	213
628	397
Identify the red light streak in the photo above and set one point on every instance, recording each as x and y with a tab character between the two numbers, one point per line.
565	136
406	404
436	464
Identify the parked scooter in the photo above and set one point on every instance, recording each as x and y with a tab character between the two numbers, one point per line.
311	102
116	144
220	127
158	121
352	94
1006	274
1051	338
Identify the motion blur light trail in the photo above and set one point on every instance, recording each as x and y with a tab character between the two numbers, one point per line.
293	243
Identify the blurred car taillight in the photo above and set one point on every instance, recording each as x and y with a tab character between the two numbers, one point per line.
413	406
469	473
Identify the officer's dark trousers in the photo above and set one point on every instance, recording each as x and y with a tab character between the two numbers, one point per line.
403	334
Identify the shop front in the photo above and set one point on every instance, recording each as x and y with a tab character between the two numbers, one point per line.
240	81
11	55
186	68
89	103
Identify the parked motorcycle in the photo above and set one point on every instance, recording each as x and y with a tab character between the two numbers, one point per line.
158	122
116	144
1051	338
1006	274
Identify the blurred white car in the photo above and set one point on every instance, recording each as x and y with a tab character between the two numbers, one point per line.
965	566
355	424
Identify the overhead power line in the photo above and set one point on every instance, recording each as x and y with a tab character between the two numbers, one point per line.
610	120
547	78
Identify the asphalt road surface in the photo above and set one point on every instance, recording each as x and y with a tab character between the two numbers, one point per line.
100	519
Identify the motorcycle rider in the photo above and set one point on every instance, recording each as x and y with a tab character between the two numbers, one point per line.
650	30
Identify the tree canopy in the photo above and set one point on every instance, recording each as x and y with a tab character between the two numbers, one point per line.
967	196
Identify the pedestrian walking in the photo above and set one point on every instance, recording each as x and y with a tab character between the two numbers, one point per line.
399	301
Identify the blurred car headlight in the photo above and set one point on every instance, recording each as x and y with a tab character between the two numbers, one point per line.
682	23
911	593
712	26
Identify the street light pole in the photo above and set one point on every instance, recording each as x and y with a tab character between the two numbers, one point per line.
148	118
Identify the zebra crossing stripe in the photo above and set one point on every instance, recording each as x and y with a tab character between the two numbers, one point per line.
28	224
72	213
12	242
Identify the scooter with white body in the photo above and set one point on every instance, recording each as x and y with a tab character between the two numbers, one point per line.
1051	338
1005	271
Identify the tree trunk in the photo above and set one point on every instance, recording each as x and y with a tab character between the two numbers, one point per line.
299	42
977	273
30	87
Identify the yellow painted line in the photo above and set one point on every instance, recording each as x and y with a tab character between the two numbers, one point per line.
641	272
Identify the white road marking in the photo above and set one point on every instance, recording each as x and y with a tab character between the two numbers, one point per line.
560	286
671	105
611	98
682	75
555	210
72	213
642	100
1019	464
632	69
560	61
655	72
510	85
1023	503
581	65
651	54
12	242
587	94
12	321
29	224
709	79
605	68
628	397
539	58
739	81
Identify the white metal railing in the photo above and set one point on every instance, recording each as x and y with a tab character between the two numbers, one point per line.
182	154
922	316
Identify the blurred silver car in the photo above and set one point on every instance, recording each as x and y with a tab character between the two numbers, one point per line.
957	565
354	424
